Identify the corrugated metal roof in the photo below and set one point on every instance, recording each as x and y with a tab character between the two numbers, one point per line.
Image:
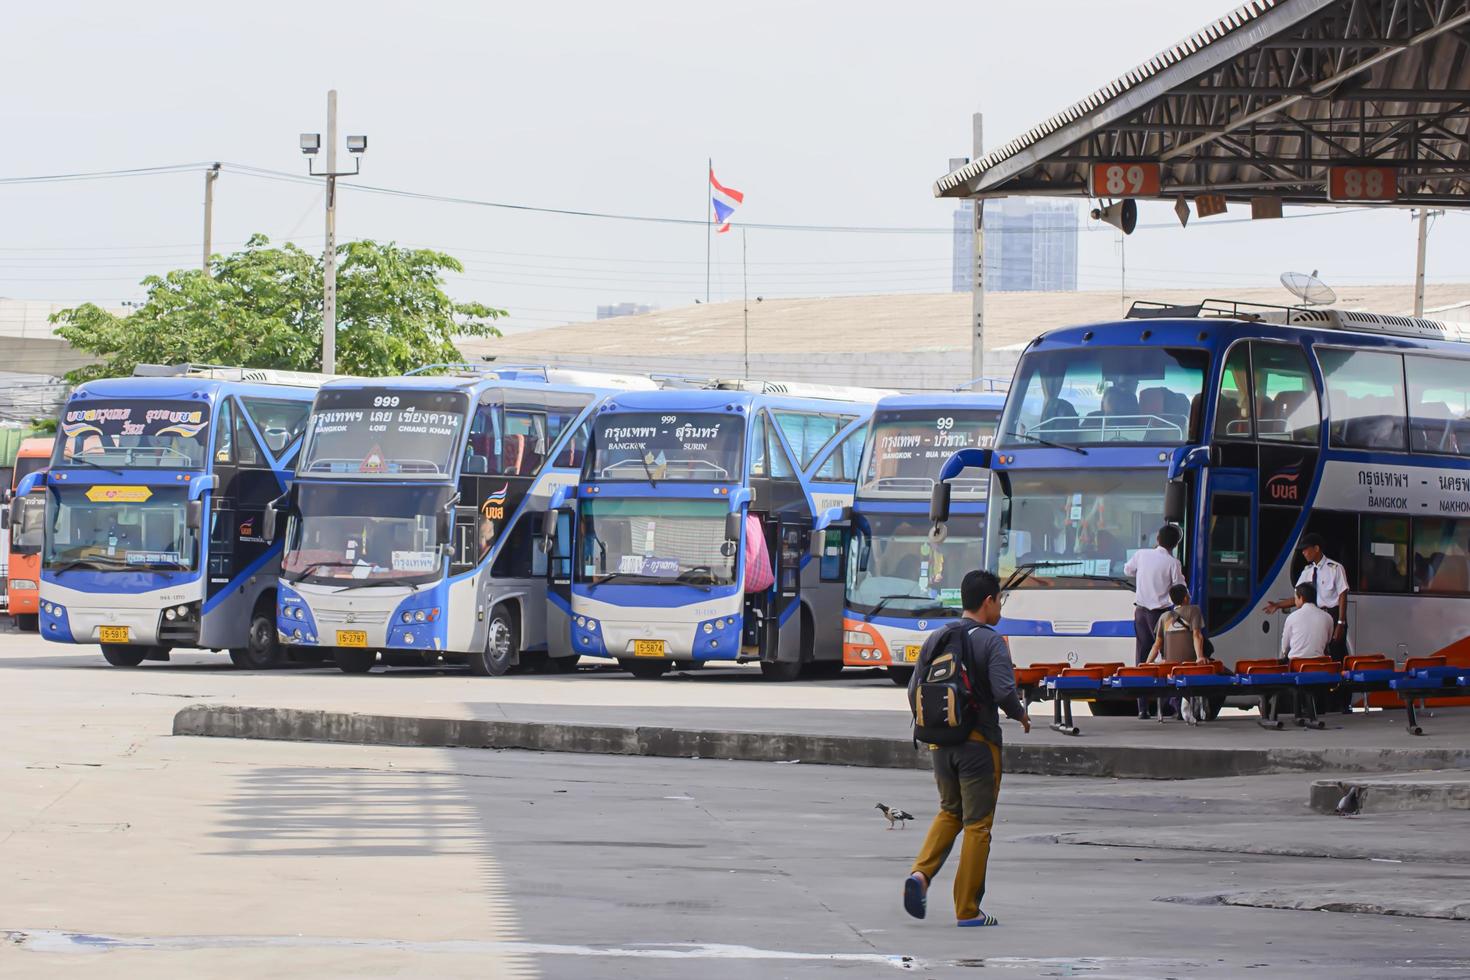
1231	22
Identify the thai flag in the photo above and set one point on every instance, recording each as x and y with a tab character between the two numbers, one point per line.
725	200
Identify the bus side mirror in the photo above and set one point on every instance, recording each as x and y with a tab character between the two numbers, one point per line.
268	523
732	527
939	513
444	524
194	514
5	517
1174	502
548	531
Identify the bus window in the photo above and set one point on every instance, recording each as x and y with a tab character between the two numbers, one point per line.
224	439
1365	390
1286	395
758	457
1232	419
575	450
781	467
1441	556
280	422
1384	556
1439	405
844	461
809	432
247	452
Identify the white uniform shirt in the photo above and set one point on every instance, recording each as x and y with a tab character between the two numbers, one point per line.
1330	579
1306	632
1155	570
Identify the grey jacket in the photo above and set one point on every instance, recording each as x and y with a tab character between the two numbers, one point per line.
992	673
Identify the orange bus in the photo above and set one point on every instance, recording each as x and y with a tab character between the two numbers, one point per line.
27	532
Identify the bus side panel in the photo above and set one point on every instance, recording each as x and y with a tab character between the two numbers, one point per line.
226	621
824	601
465	629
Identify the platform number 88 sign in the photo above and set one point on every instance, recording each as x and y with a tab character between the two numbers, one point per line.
1362	184
1125	178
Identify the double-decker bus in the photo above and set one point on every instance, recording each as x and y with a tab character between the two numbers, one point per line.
901	585
1247	427
648	552
25	519
155	500
413	527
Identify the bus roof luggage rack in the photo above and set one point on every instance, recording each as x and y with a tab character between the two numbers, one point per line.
796	389
220	372
1305	316
538	372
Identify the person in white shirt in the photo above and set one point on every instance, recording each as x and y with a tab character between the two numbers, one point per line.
1307	631
1330	583
1155	571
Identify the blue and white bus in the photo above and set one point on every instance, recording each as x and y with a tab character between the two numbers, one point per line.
1247	427
414	526
648	552
901	585
155	500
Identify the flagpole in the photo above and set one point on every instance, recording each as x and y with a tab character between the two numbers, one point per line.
708	208
745	293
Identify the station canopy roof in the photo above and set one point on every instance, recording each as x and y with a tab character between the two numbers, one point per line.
1260	104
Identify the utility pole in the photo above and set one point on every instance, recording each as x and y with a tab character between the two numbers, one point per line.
210	176
745	294
977	256
310	145
1424	215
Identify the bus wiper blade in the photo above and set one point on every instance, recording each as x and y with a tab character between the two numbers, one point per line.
606	578
362	582
883	601
647	471
1047	442
311	569
93	563
93	463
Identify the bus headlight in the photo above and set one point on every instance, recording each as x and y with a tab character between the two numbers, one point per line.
709	628
182	611
407	637
407	617
20	584
592	624
296	634
170	615
856	638
582	621
300	612
420	616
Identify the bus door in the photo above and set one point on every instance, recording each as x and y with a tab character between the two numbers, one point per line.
1229	569
559	584
783	624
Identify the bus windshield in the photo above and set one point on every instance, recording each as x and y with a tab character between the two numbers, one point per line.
122	527
1075	528
25	466
372	535
1104	395
908	447
381	431
28	524
654	541
893	570
135	433
657	446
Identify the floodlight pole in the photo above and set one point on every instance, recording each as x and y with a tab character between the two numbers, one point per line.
329	249
210	176
1424	214
977	257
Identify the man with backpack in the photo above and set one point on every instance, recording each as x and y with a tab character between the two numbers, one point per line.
963	675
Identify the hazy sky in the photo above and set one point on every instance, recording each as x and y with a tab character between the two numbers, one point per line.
822	113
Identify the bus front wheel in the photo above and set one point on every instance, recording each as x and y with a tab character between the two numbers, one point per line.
122	655
355	661
502	646
645	669
900	675
261	651
27	622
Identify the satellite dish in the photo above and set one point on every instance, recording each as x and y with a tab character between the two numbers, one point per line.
1309	289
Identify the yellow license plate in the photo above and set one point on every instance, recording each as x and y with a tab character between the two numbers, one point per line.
911	653
113	634
649	648
352	638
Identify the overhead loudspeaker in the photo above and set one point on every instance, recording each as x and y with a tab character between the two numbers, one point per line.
1122	216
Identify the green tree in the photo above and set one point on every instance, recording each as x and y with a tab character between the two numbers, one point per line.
262	307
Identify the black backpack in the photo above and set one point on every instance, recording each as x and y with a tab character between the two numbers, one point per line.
943	696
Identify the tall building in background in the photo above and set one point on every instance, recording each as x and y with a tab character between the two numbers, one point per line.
611	310
1030	244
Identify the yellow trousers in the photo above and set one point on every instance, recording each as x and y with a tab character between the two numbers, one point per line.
968	776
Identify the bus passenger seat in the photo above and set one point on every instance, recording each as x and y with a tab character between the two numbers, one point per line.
1153	401
475	463
512	455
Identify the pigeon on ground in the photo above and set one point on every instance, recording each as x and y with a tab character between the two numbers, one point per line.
894	815
1350	803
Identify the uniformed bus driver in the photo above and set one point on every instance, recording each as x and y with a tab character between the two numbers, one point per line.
1330	580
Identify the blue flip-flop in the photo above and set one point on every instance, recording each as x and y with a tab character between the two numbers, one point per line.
915	895
981	920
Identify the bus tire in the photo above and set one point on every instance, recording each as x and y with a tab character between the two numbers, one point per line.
502	645
1114	709
352	661
645	669
780	670
821	670
261	650
27	622
900	675
122	655
562	665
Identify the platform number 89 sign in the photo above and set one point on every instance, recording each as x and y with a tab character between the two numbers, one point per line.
1125	178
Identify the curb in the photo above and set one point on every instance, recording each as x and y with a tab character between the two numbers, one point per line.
1391	796
1075	758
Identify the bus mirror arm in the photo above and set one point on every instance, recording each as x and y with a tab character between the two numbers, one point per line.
27	483
1187	458
831	516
